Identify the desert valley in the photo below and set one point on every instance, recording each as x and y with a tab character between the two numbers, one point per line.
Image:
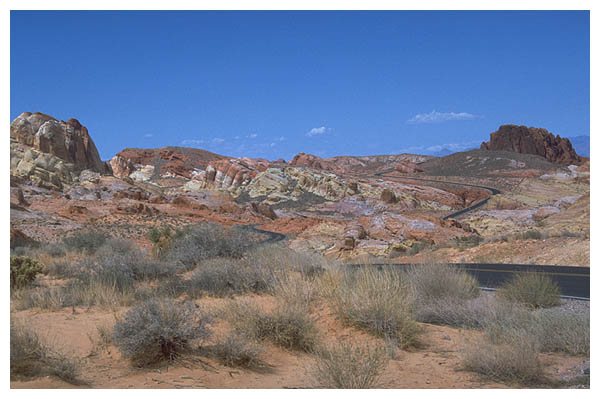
253	253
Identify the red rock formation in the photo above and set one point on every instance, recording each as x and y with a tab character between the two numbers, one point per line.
357	164
233	173
179	161
408	167
535	141
263	209
69	141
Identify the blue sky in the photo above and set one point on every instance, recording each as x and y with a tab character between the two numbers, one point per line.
272	84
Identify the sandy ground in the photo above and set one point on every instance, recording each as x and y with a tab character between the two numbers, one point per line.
436	364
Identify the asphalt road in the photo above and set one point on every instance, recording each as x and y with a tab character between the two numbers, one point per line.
572	281
491	190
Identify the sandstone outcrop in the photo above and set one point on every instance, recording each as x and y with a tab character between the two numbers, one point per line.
51	153
231	174
535	141
291	184
69	141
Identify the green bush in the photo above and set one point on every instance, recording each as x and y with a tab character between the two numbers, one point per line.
23	271
533	289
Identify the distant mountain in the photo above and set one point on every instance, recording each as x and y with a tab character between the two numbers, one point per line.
581	145
443	153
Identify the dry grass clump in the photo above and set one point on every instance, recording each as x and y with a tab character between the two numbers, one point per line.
560	331
550	330
237	349
435	281
85	241
159	330
287	326
349	366
204	241
225	277
536	290
378	301
30	357
514	361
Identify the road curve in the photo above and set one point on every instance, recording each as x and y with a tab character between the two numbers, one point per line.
573	281
491	190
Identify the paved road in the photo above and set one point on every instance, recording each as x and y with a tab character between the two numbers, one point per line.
491	190
572	281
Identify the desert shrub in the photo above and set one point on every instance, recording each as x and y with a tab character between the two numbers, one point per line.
532	235
54	250
435	281
293	289
468	241
550	330
276	257
471	313
19	251
285	326
224	277
515	361
162	238
239	350
159	330
85	241
23	271
378	301
417	247
531	289
30	357
561	331
571	234
205	241
349	366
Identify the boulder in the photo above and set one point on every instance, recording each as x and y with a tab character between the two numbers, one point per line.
388	196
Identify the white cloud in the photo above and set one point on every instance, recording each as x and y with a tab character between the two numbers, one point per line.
252	136
192	142
281	138
148	135
439	117
318	131
217	140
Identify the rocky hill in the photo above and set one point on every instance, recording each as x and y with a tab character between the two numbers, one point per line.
359	164
49	152
166	161
535	141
